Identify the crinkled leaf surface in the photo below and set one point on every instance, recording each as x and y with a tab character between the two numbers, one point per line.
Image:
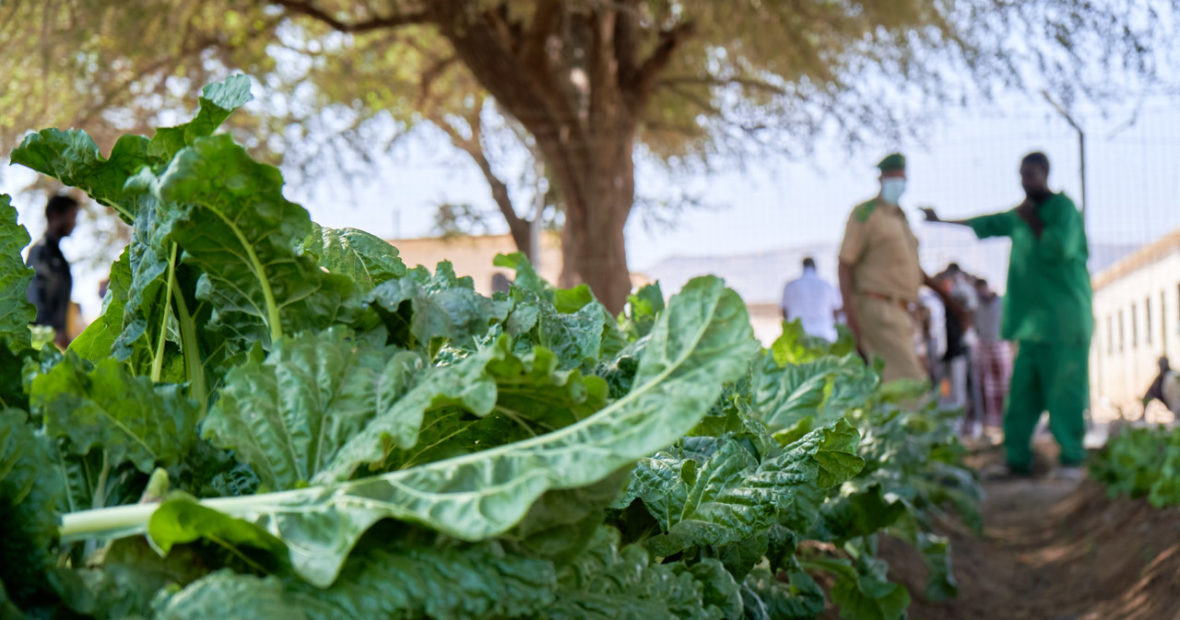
367	259
730	495
289	415
30	493
15	310
233	223
133	420
823	388
608	582
702	341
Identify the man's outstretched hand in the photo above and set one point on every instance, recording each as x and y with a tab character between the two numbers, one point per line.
931	216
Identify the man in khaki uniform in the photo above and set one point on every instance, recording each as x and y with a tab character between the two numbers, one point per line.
880	275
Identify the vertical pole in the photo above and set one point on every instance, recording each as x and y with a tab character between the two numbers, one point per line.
1082	153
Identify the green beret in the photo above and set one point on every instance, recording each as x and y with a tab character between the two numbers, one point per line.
893	161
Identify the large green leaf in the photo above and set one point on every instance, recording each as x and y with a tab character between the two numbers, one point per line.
533	396
227	212
289	415
702	341
30	493
217	102
98	339
418	312
129	417
608	582
732	495
226	593
16	313
15	310
72	157
823	388
367	259
765	597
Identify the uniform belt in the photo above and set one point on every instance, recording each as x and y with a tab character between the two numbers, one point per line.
897	301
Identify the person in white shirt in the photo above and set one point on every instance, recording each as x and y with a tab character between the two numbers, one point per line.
813	301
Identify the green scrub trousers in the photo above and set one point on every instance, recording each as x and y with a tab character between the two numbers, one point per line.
1049	377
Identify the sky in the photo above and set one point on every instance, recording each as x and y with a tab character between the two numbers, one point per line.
966	164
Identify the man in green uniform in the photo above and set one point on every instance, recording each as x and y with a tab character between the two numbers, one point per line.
880	276
1047	313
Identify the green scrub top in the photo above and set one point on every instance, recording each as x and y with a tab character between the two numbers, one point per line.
1048	298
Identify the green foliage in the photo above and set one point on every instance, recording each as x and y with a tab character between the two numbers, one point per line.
1141	462
302	427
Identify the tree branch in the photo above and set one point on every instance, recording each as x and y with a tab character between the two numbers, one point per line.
645	76
473	146
546	19
751	83
306	8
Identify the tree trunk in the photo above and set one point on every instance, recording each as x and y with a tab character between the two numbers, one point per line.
585	126
598	193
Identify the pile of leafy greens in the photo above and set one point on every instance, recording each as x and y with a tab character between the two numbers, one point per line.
275	419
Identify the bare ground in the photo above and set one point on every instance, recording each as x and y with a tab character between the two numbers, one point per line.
1054	550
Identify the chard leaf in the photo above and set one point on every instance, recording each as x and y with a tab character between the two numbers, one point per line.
289	415
229	216
218	100
859	514
98	339
366	259
862	594
16	313
608	582
824	388
703	341
729	496
765	597
643	308
129	417
390	581
417	312
30	493
211	596
15	310
72	157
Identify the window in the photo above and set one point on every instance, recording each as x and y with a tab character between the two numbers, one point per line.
1163	322
1109	334
1147	320
1134	326
1122	333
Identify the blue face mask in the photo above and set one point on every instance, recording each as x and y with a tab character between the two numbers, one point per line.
892	189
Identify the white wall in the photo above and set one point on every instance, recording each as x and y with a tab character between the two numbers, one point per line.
1120	374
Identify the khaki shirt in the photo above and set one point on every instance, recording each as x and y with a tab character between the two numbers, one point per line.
882	251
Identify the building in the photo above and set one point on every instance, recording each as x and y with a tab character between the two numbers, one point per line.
1137	320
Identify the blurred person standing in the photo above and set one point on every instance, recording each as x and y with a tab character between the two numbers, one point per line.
993	356
1047	313
880	276
52	283
813	301
954	357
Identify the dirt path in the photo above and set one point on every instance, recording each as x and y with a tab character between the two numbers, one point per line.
1055	550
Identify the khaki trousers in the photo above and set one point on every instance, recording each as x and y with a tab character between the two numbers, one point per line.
887	332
